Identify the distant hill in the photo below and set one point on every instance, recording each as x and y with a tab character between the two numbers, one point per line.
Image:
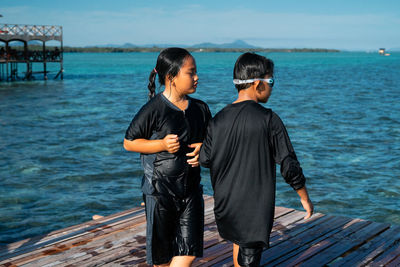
235	44
238	44
126	45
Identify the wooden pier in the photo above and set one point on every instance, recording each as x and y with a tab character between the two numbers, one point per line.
119	240
25	54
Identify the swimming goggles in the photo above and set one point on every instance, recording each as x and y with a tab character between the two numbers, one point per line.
270	81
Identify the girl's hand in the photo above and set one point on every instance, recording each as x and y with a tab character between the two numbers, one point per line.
171	143
194	162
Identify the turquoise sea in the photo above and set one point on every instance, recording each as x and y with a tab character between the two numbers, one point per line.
62	160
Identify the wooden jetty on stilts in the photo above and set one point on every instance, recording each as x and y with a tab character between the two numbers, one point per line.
13	56
119	240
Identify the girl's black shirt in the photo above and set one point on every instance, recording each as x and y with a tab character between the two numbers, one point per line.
166	173
243	144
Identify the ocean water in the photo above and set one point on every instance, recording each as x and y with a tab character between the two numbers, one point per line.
62	160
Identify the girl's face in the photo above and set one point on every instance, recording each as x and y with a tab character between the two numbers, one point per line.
186	80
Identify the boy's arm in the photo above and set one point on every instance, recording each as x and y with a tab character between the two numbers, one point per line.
290	167
284	154
205	150
169	143
195	154
306	201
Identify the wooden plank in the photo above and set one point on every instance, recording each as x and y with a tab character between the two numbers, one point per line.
345	244
129	259
125	256
292	243
279	231
79	240
132	238
371	249
210	240
56	234
296	231
391	256
108	242
224	253
107	221
93	226
280	211
119	240
278	237
290	221
316	246
394	263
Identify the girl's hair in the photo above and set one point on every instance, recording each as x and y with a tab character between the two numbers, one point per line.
251	66
169	62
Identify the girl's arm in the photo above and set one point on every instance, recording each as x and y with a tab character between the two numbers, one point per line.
169	143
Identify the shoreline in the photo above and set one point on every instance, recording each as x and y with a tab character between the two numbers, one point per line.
199	50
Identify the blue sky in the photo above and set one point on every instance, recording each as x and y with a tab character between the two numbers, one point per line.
348	25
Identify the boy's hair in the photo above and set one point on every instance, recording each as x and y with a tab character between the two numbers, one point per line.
251	66
169	62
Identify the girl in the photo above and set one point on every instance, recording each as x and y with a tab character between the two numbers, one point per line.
168	132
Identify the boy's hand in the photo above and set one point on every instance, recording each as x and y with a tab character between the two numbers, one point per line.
308	206
171	143
194	162
305	201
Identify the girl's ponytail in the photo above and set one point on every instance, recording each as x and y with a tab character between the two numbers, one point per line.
152	83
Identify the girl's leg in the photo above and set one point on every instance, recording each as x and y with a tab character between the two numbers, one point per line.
163	265
182	261
235	255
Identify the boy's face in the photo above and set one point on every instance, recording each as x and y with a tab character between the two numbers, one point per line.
187	79
263	91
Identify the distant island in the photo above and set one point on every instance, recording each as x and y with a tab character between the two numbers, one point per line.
94	49
237	46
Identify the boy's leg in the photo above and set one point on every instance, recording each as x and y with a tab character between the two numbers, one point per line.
235	255
249	256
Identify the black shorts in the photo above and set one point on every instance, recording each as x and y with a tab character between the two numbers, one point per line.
250	256
174	227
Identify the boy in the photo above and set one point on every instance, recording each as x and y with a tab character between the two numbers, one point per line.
243	144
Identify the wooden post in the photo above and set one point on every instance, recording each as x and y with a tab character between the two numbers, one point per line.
26	59
7	57
44	60
62	56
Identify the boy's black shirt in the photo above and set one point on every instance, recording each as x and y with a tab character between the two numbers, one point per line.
243	144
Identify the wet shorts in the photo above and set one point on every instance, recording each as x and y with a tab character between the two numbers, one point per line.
174	227
249	256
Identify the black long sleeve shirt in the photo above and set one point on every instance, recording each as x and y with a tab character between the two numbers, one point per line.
166	173
243	144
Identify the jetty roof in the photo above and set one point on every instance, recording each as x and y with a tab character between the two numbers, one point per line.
26	33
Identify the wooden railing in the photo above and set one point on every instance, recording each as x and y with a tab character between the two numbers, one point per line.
22	32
